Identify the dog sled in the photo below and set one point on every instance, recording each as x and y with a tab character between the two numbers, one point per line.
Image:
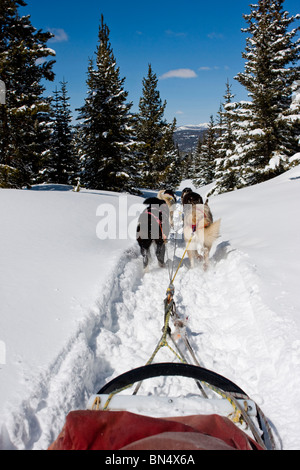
220	417
116	421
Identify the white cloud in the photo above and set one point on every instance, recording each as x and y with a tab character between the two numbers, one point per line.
169	32
214	35
59	35
179	73
215	67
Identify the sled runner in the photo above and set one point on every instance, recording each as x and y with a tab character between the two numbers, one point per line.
108	423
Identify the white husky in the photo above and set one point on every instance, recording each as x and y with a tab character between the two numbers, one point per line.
200	231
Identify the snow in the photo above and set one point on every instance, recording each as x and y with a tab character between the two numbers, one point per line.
193	127
77	308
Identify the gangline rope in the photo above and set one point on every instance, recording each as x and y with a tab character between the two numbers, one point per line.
240	413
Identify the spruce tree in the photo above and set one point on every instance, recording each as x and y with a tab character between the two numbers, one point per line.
196	165
106	124
271	68
294	117
24	130
169	165
205	157
156	145
61	165
226	176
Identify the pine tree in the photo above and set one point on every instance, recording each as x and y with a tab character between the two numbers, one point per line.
187	165
169	164
294	117
155	136
270	70
205	156
226	176
24	131
196	164
106	123
61	165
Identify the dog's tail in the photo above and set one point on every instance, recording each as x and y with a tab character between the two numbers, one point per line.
211	233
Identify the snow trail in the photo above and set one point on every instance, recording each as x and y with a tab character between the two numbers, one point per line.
129	323
227	327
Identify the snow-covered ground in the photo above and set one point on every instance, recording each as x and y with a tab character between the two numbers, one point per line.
77	309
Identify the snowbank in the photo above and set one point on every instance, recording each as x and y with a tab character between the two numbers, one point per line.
77	310
53	268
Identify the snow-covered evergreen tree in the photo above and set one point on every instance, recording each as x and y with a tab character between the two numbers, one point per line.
205	156
168	165
106	124
271	68
233	124
24	125
294	117
61	165
155	136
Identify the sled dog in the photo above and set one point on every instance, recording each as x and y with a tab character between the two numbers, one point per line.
154	227
190	197
199	224
169	197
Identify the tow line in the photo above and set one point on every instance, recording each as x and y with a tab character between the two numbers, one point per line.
234	401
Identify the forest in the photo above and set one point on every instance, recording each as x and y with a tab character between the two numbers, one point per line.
112	148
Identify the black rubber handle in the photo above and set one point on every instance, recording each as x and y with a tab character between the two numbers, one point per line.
170	369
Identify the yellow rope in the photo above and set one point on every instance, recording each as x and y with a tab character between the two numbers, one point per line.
96	404
105	407
238	416
187	247
163	341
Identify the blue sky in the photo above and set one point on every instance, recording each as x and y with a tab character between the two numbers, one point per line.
193	47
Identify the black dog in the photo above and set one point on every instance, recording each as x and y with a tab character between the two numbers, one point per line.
189	201
153	226
171	193
184	192
189	197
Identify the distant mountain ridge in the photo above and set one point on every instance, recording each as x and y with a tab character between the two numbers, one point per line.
192	127
187	136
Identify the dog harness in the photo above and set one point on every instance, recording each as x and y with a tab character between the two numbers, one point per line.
159	223
194	226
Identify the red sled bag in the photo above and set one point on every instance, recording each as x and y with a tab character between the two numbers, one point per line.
122	430
103	428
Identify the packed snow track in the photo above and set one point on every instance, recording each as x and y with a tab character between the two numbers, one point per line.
226	325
